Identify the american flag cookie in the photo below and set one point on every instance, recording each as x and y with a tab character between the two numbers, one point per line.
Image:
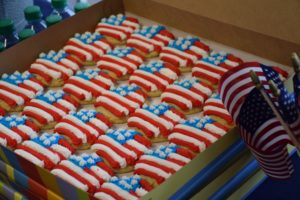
48	108
118	103
86	172
87	48
123	188
154	77
117	29
54	68
16	89
45	151
15	129
120	148
211	68
155	166
214	108
197	134
187	95
120	62
82	128
155	121
87	84
184	52
149	40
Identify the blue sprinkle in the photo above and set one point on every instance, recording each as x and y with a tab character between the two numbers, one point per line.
157	109
215	58
114	20
150	31
88	74
53	56
152	67
51	96
128	184
183	44
47	140
124	90
85	115
120	51
88	38
16	78
186	83
198	123
163	151
122	135
12	121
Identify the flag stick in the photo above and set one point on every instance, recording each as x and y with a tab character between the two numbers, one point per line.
296	64
286	127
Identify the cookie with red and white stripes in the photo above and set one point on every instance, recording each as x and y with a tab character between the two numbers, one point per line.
155	121
211	68
87	47
120	62
184	52
87	84
187	95
215	108
86	172
157	165
54	68
149	40
45	151
123	188
118	28
154	77
48	108
82	128
16	89
197	134
15	129
118	103
120	148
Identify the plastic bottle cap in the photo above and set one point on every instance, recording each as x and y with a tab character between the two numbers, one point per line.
53	19
2	46
33	13
81	6
26	33
6	26
59	3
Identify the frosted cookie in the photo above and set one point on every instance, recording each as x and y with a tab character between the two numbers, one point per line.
149	40
158	165
120	62
45	151
86	85
197	134
154	77
118	28
155	121
215	108
16	89
15	129
121	148
87	47
211	68
118	103
123	188
82	128
184	52
187	95
54	68
48	108
86	172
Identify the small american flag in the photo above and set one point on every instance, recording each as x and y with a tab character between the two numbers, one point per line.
296	81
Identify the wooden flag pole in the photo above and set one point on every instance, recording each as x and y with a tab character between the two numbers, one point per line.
286	127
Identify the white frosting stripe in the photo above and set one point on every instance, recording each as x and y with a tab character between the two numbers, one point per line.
30	157
152	169
39	112
10	133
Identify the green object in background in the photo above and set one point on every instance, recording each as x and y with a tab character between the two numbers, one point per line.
2	46
6	26
26	33
59	3
33	13
53	19
81	6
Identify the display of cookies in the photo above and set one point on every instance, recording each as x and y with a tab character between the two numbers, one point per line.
87	47
149	40
82	128
16	89
211	68
48	108
54	68
46	150
187	95
120	148
86	172
121	62
184	52
87	84
154	77
118	103
118	28
155	121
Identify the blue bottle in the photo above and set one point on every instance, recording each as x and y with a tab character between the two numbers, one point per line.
45	6
60	7
33	15
8	36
